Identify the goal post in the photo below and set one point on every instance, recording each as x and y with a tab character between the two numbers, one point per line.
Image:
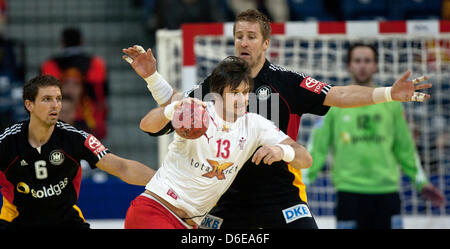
185	57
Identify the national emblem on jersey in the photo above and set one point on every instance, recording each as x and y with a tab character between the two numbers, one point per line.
314	85
242	143
217	169
263	92
56	157
94	145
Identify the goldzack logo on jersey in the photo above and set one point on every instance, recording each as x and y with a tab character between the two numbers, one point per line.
49	191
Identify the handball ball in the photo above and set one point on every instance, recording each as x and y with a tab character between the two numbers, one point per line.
190	120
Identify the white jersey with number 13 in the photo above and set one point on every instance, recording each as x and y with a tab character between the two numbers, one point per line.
196	172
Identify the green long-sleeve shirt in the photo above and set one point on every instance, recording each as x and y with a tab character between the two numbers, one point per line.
368	143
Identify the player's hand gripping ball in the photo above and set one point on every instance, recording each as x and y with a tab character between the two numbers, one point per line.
190	120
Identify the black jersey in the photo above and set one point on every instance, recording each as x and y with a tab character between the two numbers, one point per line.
41	187
281	96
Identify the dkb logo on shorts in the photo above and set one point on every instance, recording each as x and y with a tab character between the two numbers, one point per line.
211	222
296	212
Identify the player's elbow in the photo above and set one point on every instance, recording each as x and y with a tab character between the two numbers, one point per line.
307	161
335	97
146	126
302	162
142	124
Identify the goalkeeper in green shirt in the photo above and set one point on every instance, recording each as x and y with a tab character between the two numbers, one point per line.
368	143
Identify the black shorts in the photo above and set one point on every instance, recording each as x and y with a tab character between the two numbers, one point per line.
263	196
368	211
293	216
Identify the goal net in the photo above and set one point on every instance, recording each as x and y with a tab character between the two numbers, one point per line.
185	57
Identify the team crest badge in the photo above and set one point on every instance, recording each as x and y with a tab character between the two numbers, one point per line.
242	142
263	92
56	157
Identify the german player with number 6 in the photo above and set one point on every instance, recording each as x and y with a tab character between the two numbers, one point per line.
263	197
40	172
196	172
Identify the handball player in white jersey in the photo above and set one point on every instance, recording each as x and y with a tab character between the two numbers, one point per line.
196	172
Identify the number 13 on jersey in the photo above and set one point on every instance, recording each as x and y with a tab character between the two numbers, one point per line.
223	148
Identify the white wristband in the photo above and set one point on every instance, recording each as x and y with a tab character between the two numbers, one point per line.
381	95
160	89
169	110
289	153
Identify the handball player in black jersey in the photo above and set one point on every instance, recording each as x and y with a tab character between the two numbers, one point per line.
40	172
269	196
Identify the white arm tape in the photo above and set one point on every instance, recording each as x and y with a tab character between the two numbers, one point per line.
160	89
381	95
417	96
169	110
289	153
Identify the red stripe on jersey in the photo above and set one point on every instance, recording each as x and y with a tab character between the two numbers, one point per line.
292	132
77	179
294	119
13	161
7	188
293	126
214	122
279	94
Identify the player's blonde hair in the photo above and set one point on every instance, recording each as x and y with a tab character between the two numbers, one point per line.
252	15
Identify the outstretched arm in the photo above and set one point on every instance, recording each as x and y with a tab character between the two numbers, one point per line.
144	63
353	96
129	171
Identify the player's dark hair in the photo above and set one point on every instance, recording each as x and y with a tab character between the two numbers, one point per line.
357	45
230	72
253	15
31	88
71	37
